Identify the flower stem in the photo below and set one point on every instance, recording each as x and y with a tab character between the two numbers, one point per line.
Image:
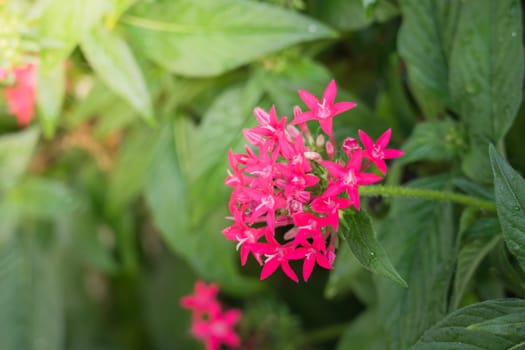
398	191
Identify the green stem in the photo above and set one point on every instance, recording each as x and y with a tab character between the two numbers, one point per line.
323	334
398	191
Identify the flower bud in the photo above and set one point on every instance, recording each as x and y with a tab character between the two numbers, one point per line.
350	145
330	149
319	141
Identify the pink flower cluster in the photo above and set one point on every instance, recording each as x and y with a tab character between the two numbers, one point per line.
210	324
22	95
289	187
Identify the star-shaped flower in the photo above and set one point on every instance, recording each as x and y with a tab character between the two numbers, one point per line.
324	110
376	151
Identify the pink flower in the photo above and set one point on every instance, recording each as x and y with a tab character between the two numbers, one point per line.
286	197
323	111
376	152
314	255
21	97
218	329
279	255
209	323
203	300
308	226
349	178
330	205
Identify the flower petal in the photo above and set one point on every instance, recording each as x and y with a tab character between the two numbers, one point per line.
309	100
384	139
269	268
308	267
288	271
341	107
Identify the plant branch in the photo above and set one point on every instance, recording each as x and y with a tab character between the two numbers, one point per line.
398	191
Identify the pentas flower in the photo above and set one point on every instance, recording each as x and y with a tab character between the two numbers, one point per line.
210	324
323	110
203	300
349	178
376	151
290	187
21	96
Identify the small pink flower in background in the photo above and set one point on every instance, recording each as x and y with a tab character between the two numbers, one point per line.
21	96
290	187
217	329
204	299
210	324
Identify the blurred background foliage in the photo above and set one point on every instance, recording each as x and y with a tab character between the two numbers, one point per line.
112	203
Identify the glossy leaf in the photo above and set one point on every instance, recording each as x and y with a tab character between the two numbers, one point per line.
115	64
490	325
361	237
210	37
424	43
419	237
481	238
432	140
486	75
509	189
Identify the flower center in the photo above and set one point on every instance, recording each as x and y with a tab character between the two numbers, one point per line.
350	178
219	328
323	111
377	152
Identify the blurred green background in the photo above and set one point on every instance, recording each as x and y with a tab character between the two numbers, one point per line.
112	202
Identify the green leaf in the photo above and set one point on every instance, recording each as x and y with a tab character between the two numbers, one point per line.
210	37
420	237
30	296
63	23
490	325
361	237
352	14
424	43
486	75
220	130
50	95
167	196
111	58
509	189
15	153
432	140
507	325
482	238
